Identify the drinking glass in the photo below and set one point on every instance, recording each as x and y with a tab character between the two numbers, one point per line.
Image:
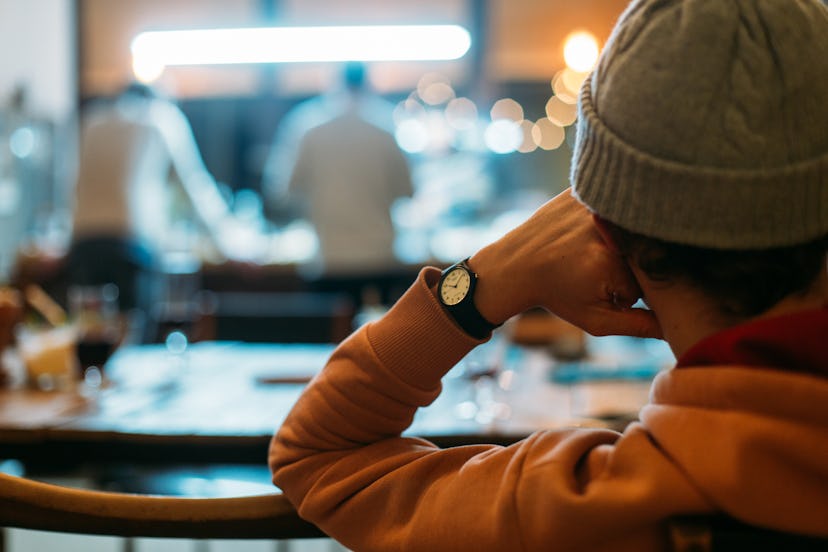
48	354
99	325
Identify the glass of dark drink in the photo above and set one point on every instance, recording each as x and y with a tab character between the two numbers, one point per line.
94	310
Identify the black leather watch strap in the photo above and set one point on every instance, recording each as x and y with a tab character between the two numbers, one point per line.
465	312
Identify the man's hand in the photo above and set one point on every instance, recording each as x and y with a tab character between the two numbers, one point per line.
558	260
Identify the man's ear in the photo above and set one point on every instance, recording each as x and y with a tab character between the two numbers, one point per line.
607	231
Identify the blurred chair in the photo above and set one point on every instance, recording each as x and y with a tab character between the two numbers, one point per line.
719	533
29	504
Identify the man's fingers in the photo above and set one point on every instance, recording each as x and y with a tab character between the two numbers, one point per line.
633	322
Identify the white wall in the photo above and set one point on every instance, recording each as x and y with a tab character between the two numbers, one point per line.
37	50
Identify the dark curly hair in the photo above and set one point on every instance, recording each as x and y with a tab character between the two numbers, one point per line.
742	283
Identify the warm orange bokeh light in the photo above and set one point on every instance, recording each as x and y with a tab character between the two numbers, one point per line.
581	51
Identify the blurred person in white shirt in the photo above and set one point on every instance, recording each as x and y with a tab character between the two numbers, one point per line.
344	177
131	149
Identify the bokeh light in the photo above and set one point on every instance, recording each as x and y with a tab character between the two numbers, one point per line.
22	142
507	108
461	113
147	68
503	136
412	135
437	93
581	51
548	135
428	80
572	80
561	113
562	91
528	144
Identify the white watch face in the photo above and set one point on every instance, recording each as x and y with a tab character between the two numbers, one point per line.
455	286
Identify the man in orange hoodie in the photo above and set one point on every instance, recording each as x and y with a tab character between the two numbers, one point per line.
700	184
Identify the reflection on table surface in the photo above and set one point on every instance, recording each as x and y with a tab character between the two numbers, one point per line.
220	400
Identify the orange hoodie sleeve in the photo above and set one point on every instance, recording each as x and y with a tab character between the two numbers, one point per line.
340	459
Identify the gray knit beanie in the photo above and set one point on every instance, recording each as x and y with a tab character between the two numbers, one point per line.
705	123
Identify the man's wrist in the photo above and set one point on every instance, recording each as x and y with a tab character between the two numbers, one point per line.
456	292
489	295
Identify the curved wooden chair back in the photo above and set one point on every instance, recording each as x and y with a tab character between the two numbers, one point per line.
29	504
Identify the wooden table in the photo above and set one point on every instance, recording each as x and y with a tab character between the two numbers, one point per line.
220	402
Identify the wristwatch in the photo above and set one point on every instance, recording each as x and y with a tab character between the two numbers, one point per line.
456	293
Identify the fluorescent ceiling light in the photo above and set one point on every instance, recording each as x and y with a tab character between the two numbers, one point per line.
298	44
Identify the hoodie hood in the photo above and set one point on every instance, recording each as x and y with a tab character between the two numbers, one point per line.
794	341
753	440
